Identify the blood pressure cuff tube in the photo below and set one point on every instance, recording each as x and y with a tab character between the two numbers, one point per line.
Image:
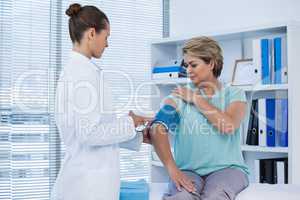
168	117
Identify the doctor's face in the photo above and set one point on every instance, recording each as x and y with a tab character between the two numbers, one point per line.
100	42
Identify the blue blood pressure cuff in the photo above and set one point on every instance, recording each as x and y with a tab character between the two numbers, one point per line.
168	117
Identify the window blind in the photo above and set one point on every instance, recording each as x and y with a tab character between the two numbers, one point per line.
166	18
25	92
34	45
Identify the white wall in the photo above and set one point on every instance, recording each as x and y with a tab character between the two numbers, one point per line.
193	16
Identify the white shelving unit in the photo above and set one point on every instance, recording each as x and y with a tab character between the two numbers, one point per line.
249	148
237	44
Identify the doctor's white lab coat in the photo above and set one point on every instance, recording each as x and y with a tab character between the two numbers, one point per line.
91	133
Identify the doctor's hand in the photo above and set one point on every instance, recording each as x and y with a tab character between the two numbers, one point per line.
138	120
181	180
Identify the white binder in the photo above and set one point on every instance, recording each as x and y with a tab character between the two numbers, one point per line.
262	123
257	171
256	54
165	75
280	172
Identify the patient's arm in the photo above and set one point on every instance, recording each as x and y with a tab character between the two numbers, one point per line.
160	141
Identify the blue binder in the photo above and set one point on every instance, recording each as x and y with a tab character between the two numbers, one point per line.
270	114
134	190
265	61
277	60
159	69
283	134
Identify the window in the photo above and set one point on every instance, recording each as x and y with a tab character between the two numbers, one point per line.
34	45
166	18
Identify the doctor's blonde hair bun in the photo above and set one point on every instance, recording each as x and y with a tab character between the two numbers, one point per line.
73	10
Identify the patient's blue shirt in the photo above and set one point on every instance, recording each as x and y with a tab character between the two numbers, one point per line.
200	147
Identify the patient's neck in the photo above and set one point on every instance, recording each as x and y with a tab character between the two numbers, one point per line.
210	87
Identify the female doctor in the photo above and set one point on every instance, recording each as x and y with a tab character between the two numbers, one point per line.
84	115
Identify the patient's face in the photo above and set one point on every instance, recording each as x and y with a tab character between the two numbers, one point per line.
198	71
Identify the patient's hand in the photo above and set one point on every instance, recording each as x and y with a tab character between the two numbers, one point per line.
181	180
185	94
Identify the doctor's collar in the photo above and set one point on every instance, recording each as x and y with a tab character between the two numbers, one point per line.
97	66
78	54
81	56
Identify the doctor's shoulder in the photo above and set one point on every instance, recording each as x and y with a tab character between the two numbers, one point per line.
81	70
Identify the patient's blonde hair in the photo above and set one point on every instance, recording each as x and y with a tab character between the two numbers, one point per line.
206	49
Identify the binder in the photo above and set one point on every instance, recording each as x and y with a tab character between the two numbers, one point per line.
284	124
166	69
286	171
164	72
277	60
272	171
252	132
250	125
280	60
267	171
262	137
256	54
280	172
278	121
266	61
270	111
165	75
257	171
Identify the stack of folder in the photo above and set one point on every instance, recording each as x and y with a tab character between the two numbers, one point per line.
268	123
134	190
171	69
270	60
271	171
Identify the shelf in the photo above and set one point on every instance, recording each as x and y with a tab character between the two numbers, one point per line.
250	148
245	148
170	81
271	87
254	31
248	88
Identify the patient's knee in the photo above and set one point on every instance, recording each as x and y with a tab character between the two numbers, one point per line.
184	195
219	194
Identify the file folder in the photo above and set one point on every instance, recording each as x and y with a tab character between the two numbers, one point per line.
270	108
278	121
281	122
267	171
252	132
284	123
265	60
256	54
280	172
280	60
257	171
277	60
262	137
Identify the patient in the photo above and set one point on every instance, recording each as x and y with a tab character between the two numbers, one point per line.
204	118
